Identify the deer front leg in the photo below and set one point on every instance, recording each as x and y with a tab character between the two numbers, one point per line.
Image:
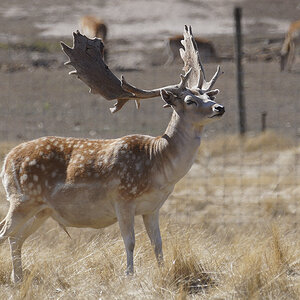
125	214
151	222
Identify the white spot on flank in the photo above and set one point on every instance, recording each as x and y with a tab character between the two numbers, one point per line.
35	178
41	153
81	146
23	178
32	163
30	185
133	190
27	158
38	188
61	148
48	147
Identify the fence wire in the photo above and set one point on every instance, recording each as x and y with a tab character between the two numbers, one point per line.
234	179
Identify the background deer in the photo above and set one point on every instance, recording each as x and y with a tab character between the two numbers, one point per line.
95	183
94	27
205	47
290	51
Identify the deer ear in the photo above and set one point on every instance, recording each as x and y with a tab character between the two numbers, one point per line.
168	97
212	94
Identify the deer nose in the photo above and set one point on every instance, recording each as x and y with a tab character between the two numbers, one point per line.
219	108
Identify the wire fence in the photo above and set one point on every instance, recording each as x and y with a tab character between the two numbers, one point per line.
234	179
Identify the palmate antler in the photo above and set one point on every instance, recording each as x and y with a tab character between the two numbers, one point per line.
191	59
86	58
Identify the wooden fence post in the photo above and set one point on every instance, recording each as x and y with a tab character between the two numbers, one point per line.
239	70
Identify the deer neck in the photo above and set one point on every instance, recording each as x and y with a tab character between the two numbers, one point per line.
178	147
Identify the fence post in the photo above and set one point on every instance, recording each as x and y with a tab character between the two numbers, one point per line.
239	69
263	121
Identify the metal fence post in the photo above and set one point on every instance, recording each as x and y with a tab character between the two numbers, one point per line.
239	69
263	121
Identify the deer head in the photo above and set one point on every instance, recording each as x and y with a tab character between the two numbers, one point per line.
192	91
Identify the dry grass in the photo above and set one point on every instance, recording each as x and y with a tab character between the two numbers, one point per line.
229	232
266	141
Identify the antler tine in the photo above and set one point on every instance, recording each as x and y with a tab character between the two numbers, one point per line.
207	86
86	58
184	79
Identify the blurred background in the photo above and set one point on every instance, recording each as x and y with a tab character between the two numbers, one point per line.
237	178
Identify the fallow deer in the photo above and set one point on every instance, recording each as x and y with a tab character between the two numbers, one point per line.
93	27
206	48
290	51
95	183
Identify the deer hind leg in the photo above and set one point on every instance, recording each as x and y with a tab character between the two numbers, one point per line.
125	214
16	241
16	226
151	222
291	58
18	214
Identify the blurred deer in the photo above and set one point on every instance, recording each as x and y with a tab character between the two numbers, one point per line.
95	183
206	48
94	27
290	51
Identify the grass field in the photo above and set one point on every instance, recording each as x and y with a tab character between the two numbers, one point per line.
230	231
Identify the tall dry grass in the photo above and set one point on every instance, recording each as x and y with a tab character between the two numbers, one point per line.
230	231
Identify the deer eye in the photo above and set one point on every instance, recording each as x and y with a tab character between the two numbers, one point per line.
190	102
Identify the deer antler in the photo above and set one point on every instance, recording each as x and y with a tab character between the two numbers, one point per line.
191	59
86	58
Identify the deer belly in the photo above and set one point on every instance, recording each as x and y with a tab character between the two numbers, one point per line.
83	206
